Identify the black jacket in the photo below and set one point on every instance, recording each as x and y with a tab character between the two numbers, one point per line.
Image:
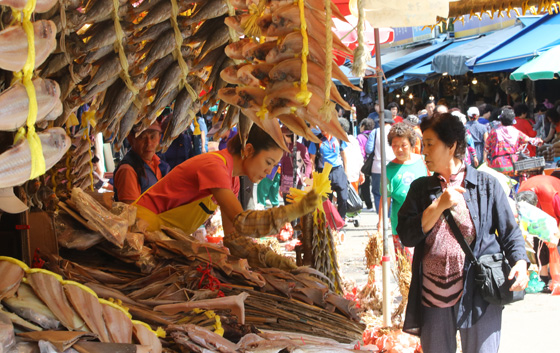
491	214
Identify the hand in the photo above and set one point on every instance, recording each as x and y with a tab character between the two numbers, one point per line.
451	197
475	162
519	272
310	202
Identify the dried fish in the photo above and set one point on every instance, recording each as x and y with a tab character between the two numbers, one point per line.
47	287
12	275
89	308
14	103
27	305
41	6
13	50
15	163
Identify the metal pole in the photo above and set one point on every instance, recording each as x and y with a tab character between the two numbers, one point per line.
386	261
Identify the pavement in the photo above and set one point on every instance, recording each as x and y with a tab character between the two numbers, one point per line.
530	325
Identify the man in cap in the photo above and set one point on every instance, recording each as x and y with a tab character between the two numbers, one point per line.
478	131
141	167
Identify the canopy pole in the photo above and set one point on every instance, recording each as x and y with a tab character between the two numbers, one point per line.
386	261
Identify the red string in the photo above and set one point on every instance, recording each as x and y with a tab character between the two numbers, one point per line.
213	283
37	261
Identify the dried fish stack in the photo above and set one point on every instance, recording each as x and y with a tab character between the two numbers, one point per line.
45	301
286	61
403	274
318	235
370	295
29	100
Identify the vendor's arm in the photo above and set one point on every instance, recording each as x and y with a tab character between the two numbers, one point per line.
126	183
259	223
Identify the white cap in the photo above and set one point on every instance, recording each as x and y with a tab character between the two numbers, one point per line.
9	203
473	111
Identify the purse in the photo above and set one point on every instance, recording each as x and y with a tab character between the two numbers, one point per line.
491	271
368	164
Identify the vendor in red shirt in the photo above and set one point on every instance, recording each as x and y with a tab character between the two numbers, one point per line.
193	190
141	167
546	190
525	125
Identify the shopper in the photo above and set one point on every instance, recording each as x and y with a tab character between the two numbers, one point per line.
303	168
140	168
504	142
354	159
331	151
394	108
478	132
373	145
366	126
525	125
443	296
401	172
191	192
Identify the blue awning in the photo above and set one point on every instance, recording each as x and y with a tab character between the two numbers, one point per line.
406	61
523	46
422	70
454	61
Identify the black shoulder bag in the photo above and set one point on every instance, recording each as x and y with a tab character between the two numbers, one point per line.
491	271
366	168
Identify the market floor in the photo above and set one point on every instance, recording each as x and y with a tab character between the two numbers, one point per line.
532	325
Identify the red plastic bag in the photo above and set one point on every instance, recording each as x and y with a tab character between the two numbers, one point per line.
333	217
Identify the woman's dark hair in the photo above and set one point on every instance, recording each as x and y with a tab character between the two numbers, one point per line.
541	108
449	129
367	124
507	117
553	115
430	101
528	196
520	109
260	140
402	130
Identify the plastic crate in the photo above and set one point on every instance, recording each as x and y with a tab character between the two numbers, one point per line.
529	163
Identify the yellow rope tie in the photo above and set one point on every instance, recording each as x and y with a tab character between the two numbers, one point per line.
303	96
233	35
37	159
196	127
251	28
177	52
120	50
328	105
361	55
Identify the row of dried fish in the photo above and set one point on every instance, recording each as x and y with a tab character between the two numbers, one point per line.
88	69
44	301
270	79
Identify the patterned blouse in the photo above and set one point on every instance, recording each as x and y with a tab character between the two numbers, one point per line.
444	259
502	146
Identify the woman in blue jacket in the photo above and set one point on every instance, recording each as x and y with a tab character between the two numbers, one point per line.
442	296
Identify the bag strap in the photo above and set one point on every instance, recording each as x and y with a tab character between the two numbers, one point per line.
457	233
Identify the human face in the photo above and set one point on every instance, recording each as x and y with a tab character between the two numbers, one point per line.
394	111
146	144
430	108
401	148
258	165
438	154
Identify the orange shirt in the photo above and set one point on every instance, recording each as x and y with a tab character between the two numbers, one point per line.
126	180
190	181
525	126
417	149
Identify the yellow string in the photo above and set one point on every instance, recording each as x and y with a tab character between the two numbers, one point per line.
250	27
196	128
120	50
177	52
328	105
303	96
37	160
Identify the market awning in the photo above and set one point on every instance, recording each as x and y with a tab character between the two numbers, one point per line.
543	67
453	61
511	54
422	70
